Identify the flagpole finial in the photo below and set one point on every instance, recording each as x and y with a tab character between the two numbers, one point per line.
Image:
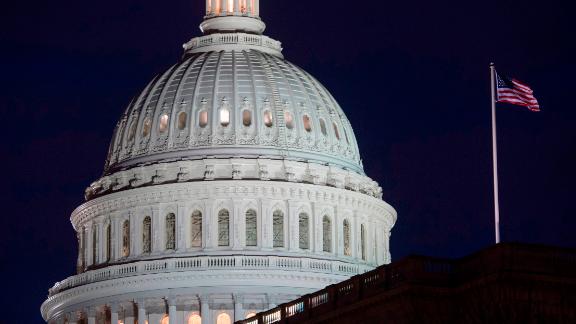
491	63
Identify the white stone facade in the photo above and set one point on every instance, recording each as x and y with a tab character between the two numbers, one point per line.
233	184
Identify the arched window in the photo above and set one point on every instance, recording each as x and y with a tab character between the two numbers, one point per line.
326	234
304	231
247	117
132	132
126	238
224	117
268	121
223	319
251	228
289	119
108	242
170	231
163	125
203	119
195	319
196	233
323	127
147	235
336	132
223	228
363	241
347	245
165	320
94	245
147	127
182	120
307	123
278	229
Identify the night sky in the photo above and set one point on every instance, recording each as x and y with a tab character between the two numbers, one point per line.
412	76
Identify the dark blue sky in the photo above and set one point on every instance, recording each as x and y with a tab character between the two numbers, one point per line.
412	77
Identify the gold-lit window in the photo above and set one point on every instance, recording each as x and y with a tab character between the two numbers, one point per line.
224	117
147	127
268	118
203	119
163	126
195	319
182	120
289	120
247	118
307	123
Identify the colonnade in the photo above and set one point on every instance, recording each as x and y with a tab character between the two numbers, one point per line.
233	7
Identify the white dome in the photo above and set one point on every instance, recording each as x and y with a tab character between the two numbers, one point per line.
271	109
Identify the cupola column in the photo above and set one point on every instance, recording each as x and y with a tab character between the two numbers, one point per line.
141	311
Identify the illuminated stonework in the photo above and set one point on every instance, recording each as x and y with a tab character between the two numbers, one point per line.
233	184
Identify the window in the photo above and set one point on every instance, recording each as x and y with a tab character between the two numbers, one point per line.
289	119
323	127
250	315
278	229
132	132
251	228
170	231
304	231
307	123
223	319
336	132
347	245
196	233
126	239
147	235
165	320
268	121
224	117
163	126
223	228
363	241
147	127
203	119
94	245
326	234
195	319
247	118
108	242
182	120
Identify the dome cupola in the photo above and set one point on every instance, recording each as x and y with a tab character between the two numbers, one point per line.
229	16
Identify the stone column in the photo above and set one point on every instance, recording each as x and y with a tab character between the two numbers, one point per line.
236	7
205	312
238	308
156	240
171	309
213	6
181	227
237	221
249	6
72	318
141	311
113	313
223	7
91	314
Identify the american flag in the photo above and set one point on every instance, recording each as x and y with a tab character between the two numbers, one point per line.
515	92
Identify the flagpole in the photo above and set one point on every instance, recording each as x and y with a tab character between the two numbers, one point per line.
495	155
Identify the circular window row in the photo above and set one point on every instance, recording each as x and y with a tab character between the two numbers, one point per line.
224	114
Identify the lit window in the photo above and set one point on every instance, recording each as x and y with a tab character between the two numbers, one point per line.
247	118
223	319
307	123
166	320
250	315
326	234
268	118
196	235
182	120
289	120
230	5
147	127
323	127
195	319
223	228
203	119
251	228
278	229
163	123
336	132
224	117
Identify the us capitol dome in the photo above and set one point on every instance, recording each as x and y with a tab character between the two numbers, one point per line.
233	184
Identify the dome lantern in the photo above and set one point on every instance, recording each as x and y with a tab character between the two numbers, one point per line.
227	16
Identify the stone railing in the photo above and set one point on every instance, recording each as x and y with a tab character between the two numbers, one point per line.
203	263
260	41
